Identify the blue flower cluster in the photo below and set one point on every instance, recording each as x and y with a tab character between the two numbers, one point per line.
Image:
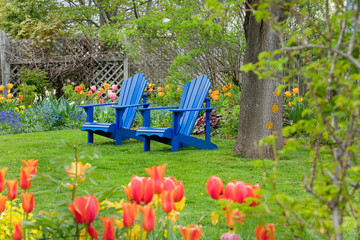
43	116
10	121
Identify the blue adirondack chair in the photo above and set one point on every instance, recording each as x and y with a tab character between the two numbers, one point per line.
129	100
184	118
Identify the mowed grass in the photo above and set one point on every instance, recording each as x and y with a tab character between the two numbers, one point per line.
120	163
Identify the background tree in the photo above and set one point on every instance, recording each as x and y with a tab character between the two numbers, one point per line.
260	107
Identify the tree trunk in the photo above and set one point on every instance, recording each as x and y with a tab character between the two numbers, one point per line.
257	95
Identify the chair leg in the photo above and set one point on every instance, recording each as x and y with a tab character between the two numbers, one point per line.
147	144
175	145
118	140
90	137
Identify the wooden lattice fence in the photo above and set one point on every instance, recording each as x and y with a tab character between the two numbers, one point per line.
81	60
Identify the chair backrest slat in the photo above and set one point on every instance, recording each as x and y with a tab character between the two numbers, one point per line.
130	93
194	96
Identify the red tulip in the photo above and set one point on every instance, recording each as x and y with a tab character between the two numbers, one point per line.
179	191
17	233
214	187
12	189
2	179
25	176
267	233
31	163
229	236
108	228
167	201
191	232
250	193
130	214
92	231
141	190
28	202
149	218
170	183
156	174
3	200
236	191
85	209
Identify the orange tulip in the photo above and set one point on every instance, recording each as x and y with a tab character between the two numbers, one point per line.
267	233
77	88
30	163
28	202
127	190
130	214
107	86
160	89
233	216
78	170
101	101
90	93
3	200
167	87
149	218
17	233
228	94
191	232
214	187
108	228
12	189
295	91
92	232
141	190
224	88
151	85
236	191
85	209
156	174
25	176
230	86
1	87
2	179
216	97
287	94
167	201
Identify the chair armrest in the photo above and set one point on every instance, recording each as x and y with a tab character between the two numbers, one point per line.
159	108
97	105
134	105
191	109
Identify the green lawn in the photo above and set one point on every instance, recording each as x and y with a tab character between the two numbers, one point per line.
119	163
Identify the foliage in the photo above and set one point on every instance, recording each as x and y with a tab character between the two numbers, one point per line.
185	35
326	40
14	12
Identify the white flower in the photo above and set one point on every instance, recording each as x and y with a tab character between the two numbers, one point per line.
82	102
72	103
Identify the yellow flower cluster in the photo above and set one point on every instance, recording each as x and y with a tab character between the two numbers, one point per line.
215	94
17	216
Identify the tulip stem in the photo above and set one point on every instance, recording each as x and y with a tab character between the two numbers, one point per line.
219	229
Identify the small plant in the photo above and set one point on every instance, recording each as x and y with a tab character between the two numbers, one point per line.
200	124
35	78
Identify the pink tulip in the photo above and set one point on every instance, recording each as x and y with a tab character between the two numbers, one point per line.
229	236
93	88
214	187
114	87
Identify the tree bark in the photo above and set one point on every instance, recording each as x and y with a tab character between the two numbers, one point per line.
257	95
